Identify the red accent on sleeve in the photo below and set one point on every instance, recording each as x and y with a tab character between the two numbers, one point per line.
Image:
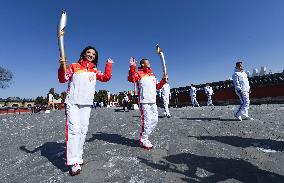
63	77
104	77
160	84
132	75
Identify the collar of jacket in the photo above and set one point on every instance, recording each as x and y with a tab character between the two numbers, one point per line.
237	70
146	70
86	64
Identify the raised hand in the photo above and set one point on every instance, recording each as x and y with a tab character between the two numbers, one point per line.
109	60
132	61
165	77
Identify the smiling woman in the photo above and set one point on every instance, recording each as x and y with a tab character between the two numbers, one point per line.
82	77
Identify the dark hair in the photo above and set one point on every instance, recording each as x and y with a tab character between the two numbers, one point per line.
82	55
142	60
238	63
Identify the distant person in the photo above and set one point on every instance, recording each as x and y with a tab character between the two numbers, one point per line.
101	104
242	89
192	93
82	77
125	101
51	101
175	97
95	105
209	92
147	84
108	98
166	95
130	100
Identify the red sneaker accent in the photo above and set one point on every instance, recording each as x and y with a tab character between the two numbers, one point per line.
74	173
146	148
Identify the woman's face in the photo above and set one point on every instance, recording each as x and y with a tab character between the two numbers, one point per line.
90	55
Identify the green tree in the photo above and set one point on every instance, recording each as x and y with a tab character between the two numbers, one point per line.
101	96
56	96
120	97
40	100
63	96
52	91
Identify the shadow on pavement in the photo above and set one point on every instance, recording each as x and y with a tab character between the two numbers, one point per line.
140	116
136	116
245	142
209	119
53	151
220	169
114	138
120	110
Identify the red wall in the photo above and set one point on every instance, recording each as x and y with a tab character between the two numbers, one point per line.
228	95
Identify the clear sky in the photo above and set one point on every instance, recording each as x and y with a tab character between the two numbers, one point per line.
201	39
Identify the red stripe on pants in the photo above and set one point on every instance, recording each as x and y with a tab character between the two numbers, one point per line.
66	133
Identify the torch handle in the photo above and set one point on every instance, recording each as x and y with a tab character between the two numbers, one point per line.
163	63
62	52
161	54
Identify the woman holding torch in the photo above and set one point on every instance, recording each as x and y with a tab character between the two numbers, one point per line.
82	77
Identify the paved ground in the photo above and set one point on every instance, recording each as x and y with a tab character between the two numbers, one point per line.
195	145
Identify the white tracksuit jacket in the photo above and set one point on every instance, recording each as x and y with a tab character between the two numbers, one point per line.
209	92
192	93
242	89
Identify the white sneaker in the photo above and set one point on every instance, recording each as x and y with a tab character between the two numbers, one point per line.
146	145
248	118
239	118
75	169
81	163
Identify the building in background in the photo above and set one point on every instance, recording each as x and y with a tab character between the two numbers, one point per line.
16	102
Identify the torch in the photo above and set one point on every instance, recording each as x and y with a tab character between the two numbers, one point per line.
161	54
61	27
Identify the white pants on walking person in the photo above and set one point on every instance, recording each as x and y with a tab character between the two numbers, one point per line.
76	129
149	115
209	101
194	101
244	106
166	102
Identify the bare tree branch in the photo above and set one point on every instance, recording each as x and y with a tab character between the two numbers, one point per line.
6	77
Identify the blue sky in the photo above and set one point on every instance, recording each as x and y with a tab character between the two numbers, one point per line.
201	39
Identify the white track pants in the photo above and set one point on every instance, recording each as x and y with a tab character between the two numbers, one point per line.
149	116
209	101
76	129
244	106
166	105
194	101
